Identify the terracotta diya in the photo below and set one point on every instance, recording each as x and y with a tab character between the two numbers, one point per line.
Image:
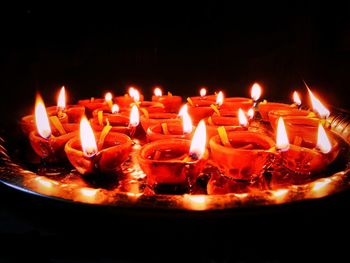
203	96
131	97
171	103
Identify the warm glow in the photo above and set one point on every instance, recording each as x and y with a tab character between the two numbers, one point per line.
87	138
220	98
296	98
61	102
242	118
44	182
41	118
282	142
158	92
186	122
88	192
198	143
134	116
131	92
115	108
108	97
323	143
318	106
255	92
195	202
321	184
136	95
183	109
203	92
251	113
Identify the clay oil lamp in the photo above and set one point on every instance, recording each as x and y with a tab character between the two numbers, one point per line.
203	96
65	114
228	120
48	142
93	103
171	103
201	109
173	165
98	153
241	155
306	156
181	129
129	98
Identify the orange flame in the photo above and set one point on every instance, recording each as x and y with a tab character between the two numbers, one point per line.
296	98
243	121
41	118
255	92
251	113
158	92
318	106
220	98
198	143
108	97
134	116
115	108
323	143
203	92
186	121
282	142
61	101
87	138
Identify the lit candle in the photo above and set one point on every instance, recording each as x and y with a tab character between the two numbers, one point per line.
171	103
296	99
255	93
318	107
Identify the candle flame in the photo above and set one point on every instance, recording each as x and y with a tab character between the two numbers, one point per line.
131	92
243	121
282	142
251	113
136	95
134	116
296	98
61	101
115	108
198	143
323	143
41	118
220	98
108	97
87	138
255	92
158	92
186	121
318	106
203	92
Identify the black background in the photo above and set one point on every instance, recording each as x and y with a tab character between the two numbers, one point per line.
91	48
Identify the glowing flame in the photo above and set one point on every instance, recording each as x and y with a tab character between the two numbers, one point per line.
282	142
184	109
136	95
61	101
220	98
115	108
41	119
243	121
296	98
158	92
198	143
318	106
87	138
186	122
131	92
251	113
108	97
134	116
255	92
203	92
323	143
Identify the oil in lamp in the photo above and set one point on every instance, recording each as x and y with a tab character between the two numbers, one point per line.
306	155
48	142
201	109
173	165
173	129
100	153
241	155
129	98
171	103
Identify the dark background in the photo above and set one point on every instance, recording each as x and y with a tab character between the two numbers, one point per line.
180	45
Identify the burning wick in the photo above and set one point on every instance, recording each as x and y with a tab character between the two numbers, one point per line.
282	142
203	92
255	93
243	121
115	108
108	98
41	119
87	138
317	106
251	113
186	120
220	98
198	143
134	119
296	99
61	102
323	143
158	92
